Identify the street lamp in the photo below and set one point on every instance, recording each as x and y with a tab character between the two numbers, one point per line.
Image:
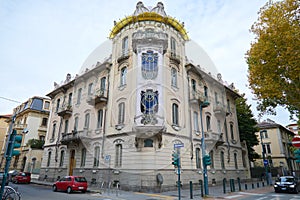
204	104
265	162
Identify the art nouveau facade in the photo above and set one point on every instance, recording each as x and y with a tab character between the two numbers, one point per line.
119	118
30	117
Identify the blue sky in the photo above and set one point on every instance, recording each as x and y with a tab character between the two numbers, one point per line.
41	41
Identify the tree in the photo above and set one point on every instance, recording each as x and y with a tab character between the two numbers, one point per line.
36	144
274	57
247	126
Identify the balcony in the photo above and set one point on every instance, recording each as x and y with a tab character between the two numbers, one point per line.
220	110
74	137
175	58
20	126
124	56
198	98
146	126
100	96
65	111
42	128
214	139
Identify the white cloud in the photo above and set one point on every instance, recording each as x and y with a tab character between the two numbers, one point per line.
42	41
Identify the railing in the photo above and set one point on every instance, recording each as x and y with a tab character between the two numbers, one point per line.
99	96
174	57
65	110
123	56
198	96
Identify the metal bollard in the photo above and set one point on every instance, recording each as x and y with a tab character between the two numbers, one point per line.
201	187
224	185
191	190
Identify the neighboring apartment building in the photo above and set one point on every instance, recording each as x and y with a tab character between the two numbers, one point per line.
31	119
4	125
276	141
294	128
119	118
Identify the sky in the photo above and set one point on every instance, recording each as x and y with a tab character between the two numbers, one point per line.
41	40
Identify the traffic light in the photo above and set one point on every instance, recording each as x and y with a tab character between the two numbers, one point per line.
16	143
297	155
207	160
175	158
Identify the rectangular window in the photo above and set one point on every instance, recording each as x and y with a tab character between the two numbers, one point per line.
222	160
53	131
79	95
235	161
231	131
198	158
96	156
62	157
83	157
125	46
196	124
123	76
66	126
70	99
267	148
208	126
57	105
87	121
118	161
76	124
174	77
175	119
173	46
100	118
211	154
121	113
47	105
228	106
44	121
102	84
90	89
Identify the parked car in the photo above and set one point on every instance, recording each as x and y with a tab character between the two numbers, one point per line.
22	177
70	184
1	178
287	184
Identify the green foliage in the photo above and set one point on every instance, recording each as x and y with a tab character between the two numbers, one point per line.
36	144
274	57
247	126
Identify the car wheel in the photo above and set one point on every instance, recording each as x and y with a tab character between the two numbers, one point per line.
83	191
296	190
69	190
54	188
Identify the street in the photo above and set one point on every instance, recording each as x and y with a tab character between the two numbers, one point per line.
43	192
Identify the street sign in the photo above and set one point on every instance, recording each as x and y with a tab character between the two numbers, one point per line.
178	145
296	142
266	162
107	158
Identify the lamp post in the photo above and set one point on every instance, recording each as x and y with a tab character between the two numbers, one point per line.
264	155
205	177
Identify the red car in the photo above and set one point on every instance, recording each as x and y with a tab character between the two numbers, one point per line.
22	177
71	183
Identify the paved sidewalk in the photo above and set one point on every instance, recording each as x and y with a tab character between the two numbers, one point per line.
215	192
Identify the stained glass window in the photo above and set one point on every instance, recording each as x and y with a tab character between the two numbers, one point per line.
149	65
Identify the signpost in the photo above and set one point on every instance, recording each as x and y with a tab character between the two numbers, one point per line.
177	147
296	142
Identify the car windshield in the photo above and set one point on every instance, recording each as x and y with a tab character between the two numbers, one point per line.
286	179
80	179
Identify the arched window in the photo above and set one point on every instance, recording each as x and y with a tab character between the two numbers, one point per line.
96	156
123	76
125	46
121	114
174	77
53	131
76	123
83	157
235	160
198	158
175	114
49	158
196	124
102	84
70	99
62	157
118	161
208	126
222	157
100	118
57	105
66	126
231	131
79	95
87	121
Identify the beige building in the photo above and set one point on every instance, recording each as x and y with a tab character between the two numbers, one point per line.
276	141
31	119
294	128
4	126
135	97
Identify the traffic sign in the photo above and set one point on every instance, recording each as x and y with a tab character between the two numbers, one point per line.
296	142
266	162
178	145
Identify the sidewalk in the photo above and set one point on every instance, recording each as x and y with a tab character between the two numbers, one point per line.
215	192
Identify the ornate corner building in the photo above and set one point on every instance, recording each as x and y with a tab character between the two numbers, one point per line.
136	96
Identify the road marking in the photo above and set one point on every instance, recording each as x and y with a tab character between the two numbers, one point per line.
247	193
233	196
165	197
